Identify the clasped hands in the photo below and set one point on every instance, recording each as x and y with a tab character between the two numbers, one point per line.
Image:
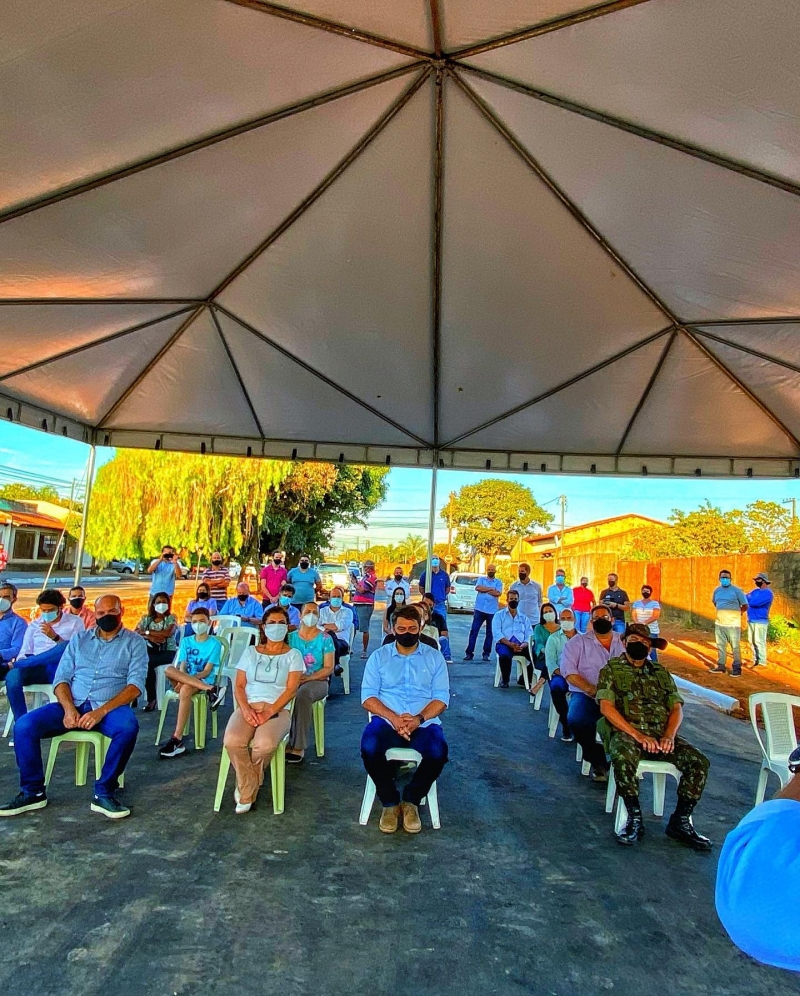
405	724
73	720
666	745
257	717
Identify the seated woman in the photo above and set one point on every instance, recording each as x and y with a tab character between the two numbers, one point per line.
267	679
398	600
202	600
316	650
548	625
158	628
199	657
553	651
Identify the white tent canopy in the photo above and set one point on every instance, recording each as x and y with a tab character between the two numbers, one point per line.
517	234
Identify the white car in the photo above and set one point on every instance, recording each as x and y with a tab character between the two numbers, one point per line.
462	592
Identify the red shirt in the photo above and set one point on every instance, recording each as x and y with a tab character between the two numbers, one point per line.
273	577
583	599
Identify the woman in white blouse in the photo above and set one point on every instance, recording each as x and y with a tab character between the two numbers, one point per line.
267	678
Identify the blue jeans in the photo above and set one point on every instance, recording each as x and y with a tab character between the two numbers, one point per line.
478	619
120	725
444	646
505	658
379	736
618	626
582	621
584	713
757	635
441	607
558	694
37	670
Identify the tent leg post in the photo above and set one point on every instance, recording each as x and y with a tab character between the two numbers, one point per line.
431	518
85	518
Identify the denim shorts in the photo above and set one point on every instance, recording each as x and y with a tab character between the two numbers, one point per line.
364	612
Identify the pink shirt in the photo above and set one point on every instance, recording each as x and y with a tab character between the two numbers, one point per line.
273	577
586	656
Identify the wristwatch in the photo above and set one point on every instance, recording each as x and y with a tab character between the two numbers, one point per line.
421	718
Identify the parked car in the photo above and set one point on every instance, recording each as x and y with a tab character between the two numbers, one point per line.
124	566
183	569
333	575
462	595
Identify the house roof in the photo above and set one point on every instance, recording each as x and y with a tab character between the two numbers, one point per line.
597	522
24	514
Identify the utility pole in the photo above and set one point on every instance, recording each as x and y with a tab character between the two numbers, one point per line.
793	503
450	523
562	500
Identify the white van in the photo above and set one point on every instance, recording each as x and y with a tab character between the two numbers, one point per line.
462	592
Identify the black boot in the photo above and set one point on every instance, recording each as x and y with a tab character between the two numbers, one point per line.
680	827
634	828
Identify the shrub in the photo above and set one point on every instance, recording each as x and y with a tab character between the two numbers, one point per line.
783	630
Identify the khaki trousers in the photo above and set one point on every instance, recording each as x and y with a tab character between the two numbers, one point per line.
251	748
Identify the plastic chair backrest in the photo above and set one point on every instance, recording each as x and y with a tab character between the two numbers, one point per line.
779	731
238	639
225	622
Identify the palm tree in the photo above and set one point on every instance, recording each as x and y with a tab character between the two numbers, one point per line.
412	548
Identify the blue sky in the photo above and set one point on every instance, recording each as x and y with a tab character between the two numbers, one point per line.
405	510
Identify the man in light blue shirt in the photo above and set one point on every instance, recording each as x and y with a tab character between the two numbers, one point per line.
560	594
306	580
12	627
512	629
243	605
730	603
101	673
406	688
165	572
487	602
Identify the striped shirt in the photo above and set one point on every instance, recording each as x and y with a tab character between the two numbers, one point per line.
97	669
217	579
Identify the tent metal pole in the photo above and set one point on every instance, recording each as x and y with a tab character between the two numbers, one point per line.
85	518
431	519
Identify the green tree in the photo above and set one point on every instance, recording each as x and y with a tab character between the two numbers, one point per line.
769	527
705	531
493	514
412	549
16	491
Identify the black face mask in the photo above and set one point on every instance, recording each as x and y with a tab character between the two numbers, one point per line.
108	623
636	650
303	564
602	626
612	584
585	584
490	574
77	603
168	556
646	594
407	640
398	577
242	598
202	595
522	577
759	584
513	605
276	561
216	563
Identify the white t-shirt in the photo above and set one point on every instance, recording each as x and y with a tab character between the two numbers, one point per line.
642	612
268	674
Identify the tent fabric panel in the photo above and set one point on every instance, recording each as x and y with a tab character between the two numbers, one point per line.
687	69
780	340
191	388
355	269
711	243
33	332
694	408
181	227
406	21
523	282
293	404
588	417
468	22
84	385
97	86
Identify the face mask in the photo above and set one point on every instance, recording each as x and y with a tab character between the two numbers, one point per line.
201	628
399	597
636	650
559	579
161	607
284	600
216	563
602	626
435	562
242	598
407	640
77	603
548	616
522	576
398	577
725	582
612	584
567	625
202	595
108	623
584	584
310	619
490	574
276	632
49	616
513	603
646	594
5	604
276	561
303	564
336	603
168	556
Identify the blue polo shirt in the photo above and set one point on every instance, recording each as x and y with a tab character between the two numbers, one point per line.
439	585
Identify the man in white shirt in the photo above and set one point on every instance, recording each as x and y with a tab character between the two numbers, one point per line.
43	647
560	594
512	629
529	593
336	618
398	581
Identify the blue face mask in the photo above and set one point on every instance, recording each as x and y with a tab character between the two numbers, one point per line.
284	600
435	562
336	603
49	617
725	582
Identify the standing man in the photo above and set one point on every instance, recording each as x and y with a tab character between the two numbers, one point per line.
78	606
12	627
272	577
759	602
647	611
512	629
581	663
582	604
730	603
560	594
306	580
487	602
243	605
406	688
218	579
616	599
398	581
101	673
529	593
439	585
165	572
364	601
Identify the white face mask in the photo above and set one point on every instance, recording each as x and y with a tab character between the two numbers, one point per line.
276	632
310	619
568	625
161	607
201	628
5	604
548	616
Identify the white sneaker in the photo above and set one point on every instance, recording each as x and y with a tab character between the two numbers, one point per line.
243	807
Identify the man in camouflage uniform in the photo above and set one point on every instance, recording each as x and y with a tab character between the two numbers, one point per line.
642	711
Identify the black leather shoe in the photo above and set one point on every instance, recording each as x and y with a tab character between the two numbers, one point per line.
681	828
633	830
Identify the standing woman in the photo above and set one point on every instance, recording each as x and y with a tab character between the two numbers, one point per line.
398	600
158	628
317	651
548	624
267	678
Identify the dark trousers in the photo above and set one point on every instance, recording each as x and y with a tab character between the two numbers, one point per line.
37	670
584	714
379	736
506	654
155	658
120	725
340	648
558	693
478	619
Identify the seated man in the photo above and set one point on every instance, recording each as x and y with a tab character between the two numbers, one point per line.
199	657
243	605
12	627
642	712
439	620
102	672
406	687
78	606
553	652
285	598
512	629
582	660
336	619
45	641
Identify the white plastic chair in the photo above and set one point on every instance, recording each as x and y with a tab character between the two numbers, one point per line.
411	756
552	721
522	669
344	662
779	733
238	639
224	622
200	708
659	770
40	693
586	768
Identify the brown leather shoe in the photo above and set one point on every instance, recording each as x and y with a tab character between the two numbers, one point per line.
390	819
411	820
